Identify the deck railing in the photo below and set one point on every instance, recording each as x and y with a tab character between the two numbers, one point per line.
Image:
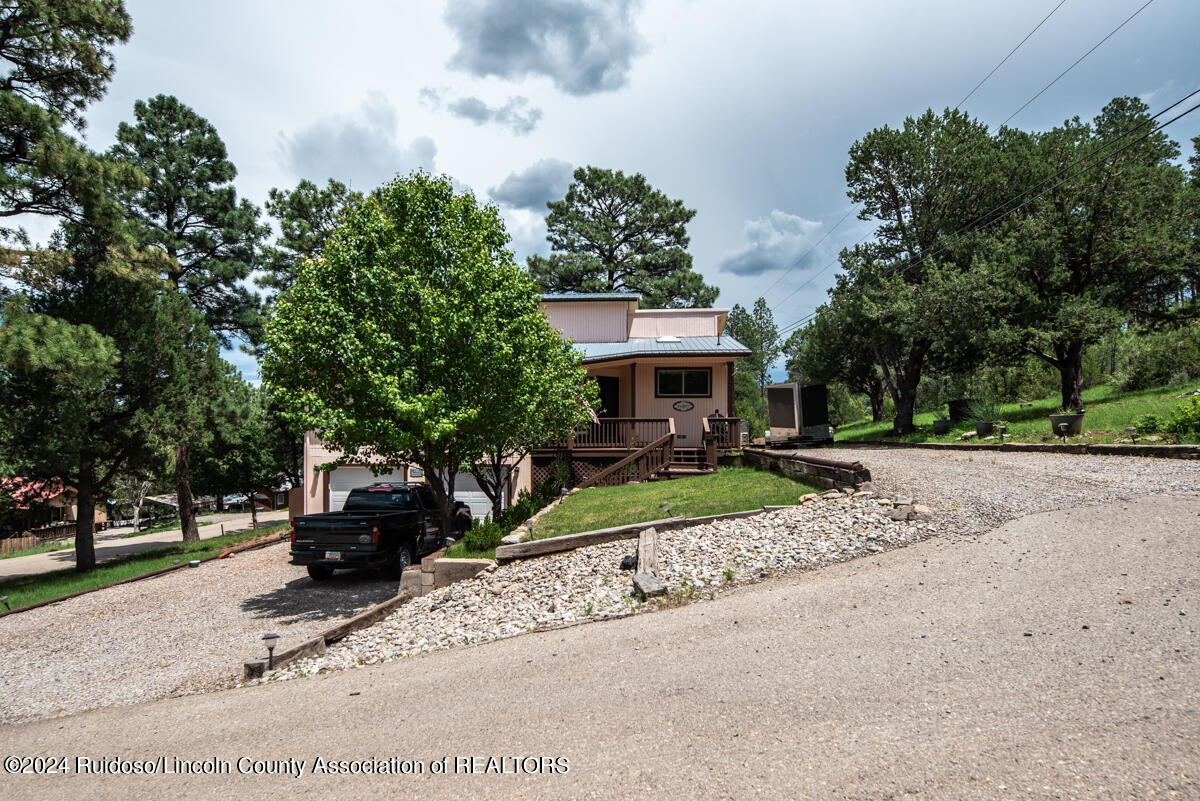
620	432
641	465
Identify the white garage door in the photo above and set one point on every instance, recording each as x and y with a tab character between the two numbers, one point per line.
466	489
344	479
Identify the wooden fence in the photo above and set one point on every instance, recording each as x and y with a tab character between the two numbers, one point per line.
14	544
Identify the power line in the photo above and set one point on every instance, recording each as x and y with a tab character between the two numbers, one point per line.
999	213
812	249
1040	92
1010	53
1076	62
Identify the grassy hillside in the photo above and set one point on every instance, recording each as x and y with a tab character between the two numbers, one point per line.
1109	412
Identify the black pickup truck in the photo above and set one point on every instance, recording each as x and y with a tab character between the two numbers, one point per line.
385	525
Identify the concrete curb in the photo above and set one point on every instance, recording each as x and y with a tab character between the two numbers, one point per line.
1076	448
152	574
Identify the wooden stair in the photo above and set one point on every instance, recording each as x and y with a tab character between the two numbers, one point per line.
685	462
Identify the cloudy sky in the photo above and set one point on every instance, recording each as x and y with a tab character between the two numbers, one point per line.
745	111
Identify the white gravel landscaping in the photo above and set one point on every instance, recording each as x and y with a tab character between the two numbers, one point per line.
589	584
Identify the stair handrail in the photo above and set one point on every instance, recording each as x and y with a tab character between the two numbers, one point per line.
665	442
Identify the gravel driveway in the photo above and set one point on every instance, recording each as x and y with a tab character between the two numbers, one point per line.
976	491
187	631
971	493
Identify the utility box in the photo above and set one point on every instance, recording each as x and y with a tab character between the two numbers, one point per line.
798	413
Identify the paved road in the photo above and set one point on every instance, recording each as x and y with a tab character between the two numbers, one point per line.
112	548
1056	657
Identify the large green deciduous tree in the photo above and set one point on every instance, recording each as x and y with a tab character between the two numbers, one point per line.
616	233
307	216
1095	248
189	210
388	345
55	59
836	347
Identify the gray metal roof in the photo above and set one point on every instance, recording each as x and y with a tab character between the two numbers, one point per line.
553	297
686	346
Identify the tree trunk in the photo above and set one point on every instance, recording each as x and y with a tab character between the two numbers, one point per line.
1070	367
253	511
85	517
183	493
492	478
442	486
876	397
906	395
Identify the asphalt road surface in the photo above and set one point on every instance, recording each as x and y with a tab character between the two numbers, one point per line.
1055	657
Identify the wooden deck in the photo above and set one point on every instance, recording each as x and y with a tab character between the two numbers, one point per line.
624	450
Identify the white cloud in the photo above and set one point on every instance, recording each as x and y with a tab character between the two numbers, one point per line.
361	149
774	242
584	46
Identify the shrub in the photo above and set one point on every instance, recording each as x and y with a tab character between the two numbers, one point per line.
1150	424
1185	418
483	536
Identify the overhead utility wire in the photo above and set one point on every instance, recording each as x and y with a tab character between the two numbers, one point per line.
797	262
1076	62
1010	53
1000	213
1009	118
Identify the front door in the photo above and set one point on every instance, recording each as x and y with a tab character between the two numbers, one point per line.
610	396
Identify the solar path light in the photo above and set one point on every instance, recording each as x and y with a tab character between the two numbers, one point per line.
270	639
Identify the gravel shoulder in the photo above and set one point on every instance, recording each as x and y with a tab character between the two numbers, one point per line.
186	631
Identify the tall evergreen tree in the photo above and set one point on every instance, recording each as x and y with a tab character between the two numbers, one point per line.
90	370
189	209
616	233
55	59
307	216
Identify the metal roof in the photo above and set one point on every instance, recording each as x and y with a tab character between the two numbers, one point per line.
685	346
554	297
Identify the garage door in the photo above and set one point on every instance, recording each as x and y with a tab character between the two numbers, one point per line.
344	479
466	489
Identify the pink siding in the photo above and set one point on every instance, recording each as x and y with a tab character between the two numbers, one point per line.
656	323
688	427
590	321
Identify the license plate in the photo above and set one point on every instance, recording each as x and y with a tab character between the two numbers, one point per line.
333	556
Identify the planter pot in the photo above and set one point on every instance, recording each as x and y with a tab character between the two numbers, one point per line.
960	410
983	429
941	427
1074	424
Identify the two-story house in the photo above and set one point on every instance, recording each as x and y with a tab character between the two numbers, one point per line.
666	402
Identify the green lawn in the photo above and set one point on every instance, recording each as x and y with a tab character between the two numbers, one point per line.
32	589
1109	412
730	489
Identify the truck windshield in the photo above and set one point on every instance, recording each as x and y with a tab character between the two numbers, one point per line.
370	499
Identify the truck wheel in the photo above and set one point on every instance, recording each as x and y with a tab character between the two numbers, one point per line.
320	572
402	560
